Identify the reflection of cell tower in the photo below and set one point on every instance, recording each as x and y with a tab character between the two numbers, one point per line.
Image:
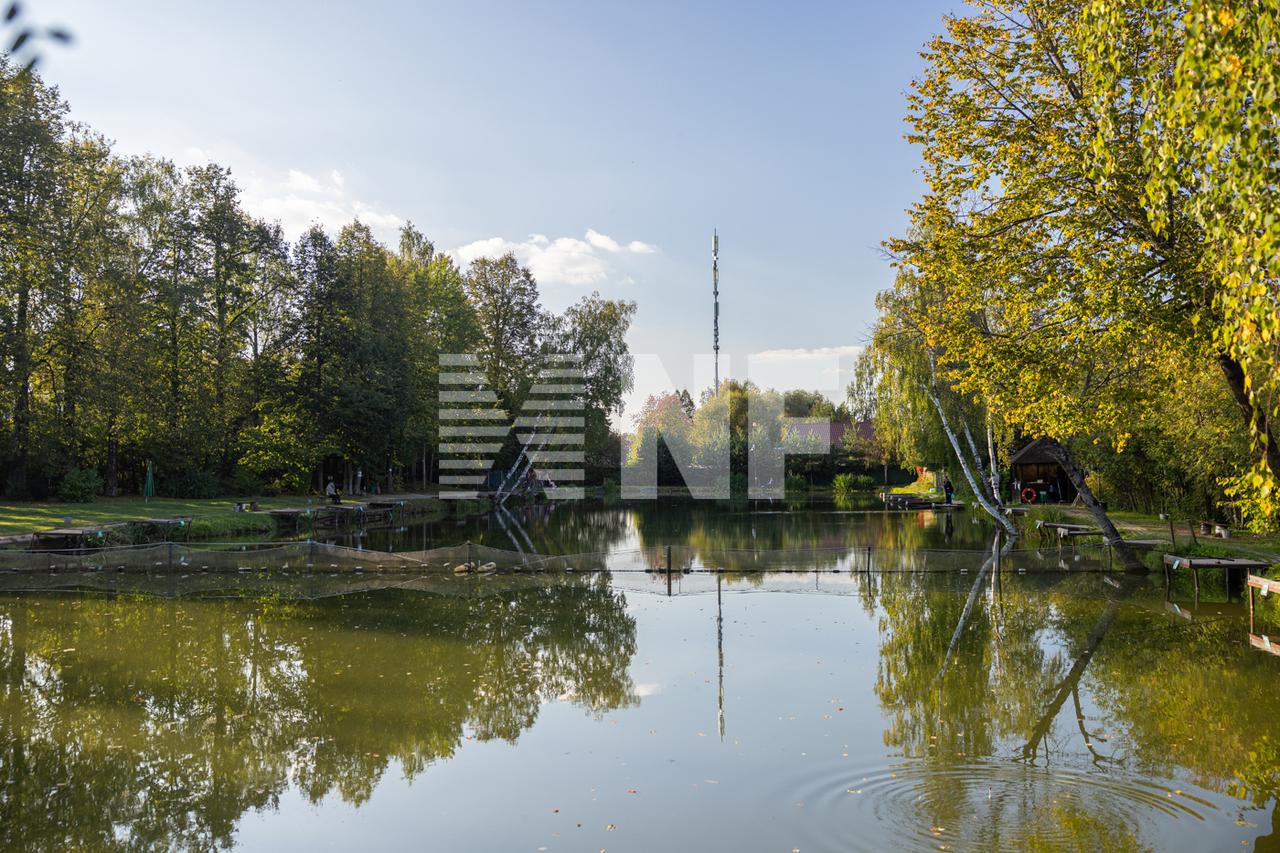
715	296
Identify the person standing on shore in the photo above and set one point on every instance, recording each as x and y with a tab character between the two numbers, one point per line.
947	489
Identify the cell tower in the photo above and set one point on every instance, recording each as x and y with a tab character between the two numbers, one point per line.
715	296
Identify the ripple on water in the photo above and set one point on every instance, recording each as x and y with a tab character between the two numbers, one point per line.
997	804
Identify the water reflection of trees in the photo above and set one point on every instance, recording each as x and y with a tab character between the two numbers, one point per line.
159	723
748	539
1180	698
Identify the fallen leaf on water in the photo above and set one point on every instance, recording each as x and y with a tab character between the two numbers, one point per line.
632	791
610	828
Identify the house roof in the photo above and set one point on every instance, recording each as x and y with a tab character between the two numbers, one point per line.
1035	453
832	431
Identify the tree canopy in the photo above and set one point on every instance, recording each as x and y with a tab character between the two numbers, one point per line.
147	316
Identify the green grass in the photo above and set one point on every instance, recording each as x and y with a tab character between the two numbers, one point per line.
209	517
919	487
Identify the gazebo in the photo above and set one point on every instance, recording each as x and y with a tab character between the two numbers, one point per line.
1037	476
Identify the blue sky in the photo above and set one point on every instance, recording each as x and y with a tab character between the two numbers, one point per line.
601	141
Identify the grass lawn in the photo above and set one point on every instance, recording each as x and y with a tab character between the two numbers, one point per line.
216	515
1139	526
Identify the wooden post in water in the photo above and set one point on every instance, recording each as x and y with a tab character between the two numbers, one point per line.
668	571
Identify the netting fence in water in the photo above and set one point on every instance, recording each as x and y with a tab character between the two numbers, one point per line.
313	556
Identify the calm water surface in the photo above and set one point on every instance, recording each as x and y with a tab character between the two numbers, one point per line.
866	710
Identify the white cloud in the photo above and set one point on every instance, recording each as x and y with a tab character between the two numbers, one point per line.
602	241
808	354
301	200
302	182
560	261
826	369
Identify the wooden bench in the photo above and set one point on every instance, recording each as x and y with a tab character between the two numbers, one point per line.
1062	530
1173	562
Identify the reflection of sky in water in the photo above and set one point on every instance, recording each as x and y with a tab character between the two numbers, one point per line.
530	712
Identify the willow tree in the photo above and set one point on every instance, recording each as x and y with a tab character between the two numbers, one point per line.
1044	332
1051	200
1207	132
907	337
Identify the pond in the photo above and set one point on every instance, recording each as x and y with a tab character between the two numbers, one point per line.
589	527
872	708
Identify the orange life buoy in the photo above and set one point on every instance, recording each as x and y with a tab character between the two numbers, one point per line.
1030	495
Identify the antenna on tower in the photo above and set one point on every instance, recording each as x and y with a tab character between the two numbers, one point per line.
715	296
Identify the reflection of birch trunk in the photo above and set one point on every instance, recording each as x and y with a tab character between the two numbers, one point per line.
1069	683
1098	758
968	605
978	494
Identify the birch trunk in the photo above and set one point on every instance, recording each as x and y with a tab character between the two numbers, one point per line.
977	461
991	455
979	494
1067	459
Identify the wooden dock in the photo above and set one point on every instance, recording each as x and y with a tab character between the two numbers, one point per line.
349	514
1172	563
72	538
1263	643
1061	530
917	502
1265	588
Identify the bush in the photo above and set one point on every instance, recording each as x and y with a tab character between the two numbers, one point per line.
80	486
845	485
245	483
190	483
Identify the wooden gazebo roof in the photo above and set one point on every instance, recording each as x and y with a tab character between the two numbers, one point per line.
1034	453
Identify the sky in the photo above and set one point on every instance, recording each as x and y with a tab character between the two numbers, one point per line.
602	142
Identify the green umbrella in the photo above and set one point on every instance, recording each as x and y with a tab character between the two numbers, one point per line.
149	487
